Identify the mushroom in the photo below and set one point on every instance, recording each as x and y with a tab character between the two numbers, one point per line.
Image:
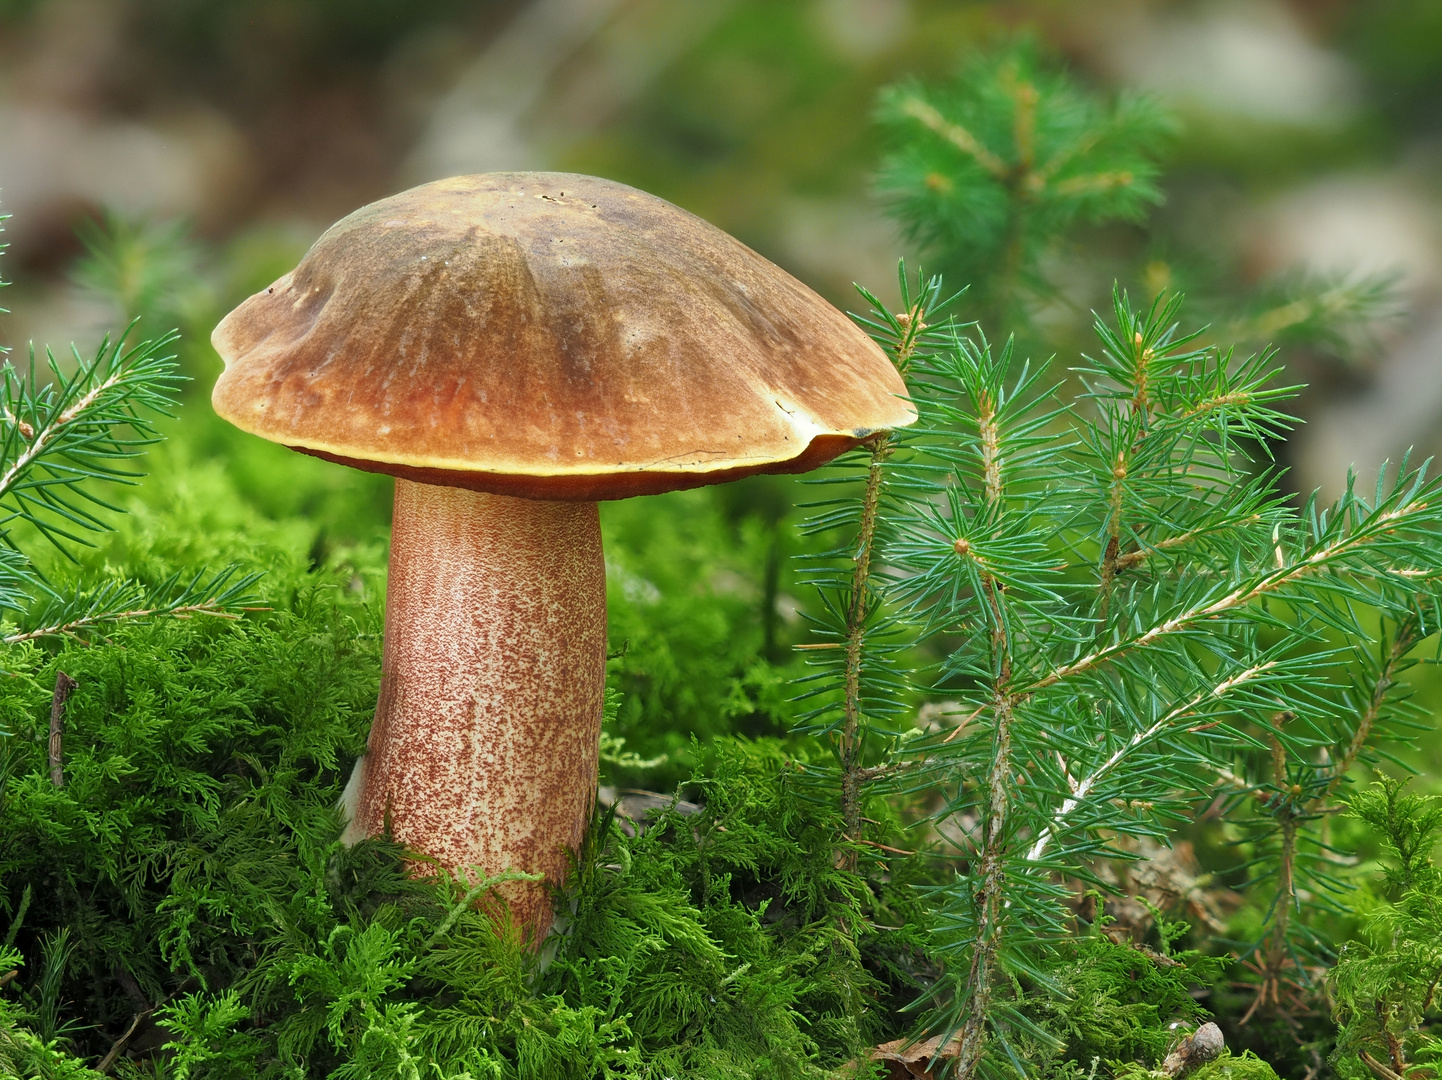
512	348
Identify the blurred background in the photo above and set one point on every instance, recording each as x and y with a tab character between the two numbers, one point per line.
1310	140
213	140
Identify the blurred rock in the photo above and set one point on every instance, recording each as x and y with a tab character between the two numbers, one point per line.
862	29
832	244
1401	409
1203	1045
1350	226
1353	226
627	54
68	151
1251	60
480	124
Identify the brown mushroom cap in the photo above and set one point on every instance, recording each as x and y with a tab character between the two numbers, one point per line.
549	335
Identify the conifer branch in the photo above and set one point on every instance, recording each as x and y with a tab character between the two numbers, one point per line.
849	749
996	809
1323	556
1407	635
1082	789
67	434
903	335
1130	559
222	595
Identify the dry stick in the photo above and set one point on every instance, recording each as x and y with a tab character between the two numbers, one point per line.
64	684
1378	1069
118	1046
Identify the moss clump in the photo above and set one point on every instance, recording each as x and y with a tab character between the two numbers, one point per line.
1226	1067
1118	1003
189	866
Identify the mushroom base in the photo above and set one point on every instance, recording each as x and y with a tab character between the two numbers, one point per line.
483	754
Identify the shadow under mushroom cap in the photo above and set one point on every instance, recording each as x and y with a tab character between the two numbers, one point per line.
553	335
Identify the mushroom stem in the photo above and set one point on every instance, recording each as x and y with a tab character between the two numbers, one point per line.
483	754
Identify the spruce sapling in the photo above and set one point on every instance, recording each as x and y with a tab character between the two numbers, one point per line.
992	169
1137	607
858	694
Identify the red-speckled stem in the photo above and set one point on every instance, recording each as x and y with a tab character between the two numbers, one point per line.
484	746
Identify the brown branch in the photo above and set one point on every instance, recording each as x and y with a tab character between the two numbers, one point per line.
118	1046
64	684
1431	990
884	847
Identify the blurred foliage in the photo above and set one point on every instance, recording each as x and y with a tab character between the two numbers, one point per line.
992	169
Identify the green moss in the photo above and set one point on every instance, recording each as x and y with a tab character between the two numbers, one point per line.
192	854
1227	1067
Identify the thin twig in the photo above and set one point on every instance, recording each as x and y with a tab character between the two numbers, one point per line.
884	847
118	1046
64	684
